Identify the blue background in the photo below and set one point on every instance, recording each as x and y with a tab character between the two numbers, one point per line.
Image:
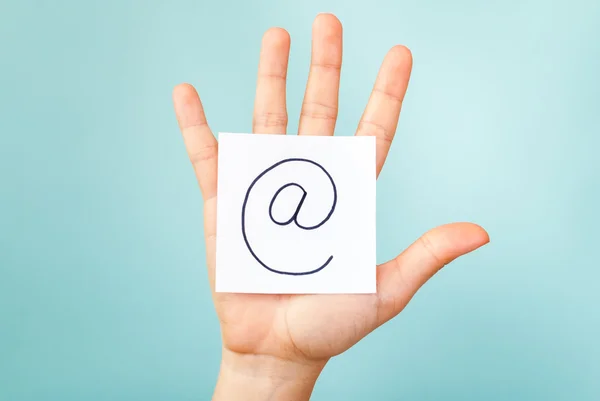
103	290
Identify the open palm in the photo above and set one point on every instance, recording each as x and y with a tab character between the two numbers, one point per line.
316	327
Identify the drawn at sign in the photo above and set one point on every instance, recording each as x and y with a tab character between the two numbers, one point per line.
299	183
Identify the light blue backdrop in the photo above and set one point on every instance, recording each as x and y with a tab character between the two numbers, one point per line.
103	291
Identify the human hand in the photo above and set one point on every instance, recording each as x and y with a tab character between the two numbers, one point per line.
276	345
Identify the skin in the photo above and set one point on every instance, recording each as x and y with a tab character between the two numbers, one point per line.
275	346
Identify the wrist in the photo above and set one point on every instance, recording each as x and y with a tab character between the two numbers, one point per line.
251	377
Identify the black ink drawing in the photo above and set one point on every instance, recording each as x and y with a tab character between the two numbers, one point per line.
294	217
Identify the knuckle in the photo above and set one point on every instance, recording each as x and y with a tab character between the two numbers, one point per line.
427	244
389	94
371	128
271	119
273	76
204	153
319	111
335	68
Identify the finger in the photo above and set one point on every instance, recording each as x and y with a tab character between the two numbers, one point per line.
399	279
200	143
270	113
380	118
320	107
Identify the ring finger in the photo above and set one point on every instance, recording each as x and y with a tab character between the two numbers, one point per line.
270	112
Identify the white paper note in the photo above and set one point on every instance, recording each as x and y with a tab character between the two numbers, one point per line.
296	214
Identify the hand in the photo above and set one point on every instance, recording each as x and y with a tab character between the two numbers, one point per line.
276	345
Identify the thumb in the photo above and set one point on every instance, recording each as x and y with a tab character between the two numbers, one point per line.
399	279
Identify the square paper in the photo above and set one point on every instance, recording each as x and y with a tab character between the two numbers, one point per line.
296	214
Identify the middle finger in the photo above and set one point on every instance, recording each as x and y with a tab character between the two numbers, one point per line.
320	105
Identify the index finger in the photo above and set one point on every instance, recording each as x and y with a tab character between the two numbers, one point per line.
380	118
